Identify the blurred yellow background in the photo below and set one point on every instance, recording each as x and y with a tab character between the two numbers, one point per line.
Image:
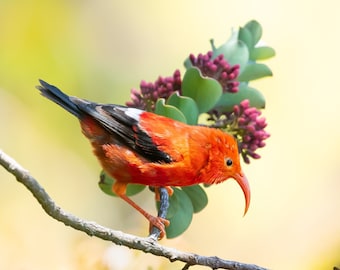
99	50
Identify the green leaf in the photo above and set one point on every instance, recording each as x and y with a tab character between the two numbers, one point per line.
198	197
254	71
203	90
169	111
255	29
107	181
181	218
245	36
234	50
186	105
229	100
262	53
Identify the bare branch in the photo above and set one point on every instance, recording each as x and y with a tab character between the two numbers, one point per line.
147	245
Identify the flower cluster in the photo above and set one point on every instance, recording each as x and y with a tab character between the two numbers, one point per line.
146	98
245	123
218	69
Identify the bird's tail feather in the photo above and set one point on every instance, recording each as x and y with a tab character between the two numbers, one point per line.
53	93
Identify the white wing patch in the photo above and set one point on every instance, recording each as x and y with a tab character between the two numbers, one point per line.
133	113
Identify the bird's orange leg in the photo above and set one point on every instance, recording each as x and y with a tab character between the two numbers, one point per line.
160	223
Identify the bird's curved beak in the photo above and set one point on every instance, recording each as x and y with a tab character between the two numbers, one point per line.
242	180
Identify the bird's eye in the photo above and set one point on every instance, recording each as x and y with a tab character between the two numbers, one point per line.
228	162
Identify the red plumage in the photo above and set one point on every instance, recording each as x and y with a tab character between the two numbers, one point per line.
134	146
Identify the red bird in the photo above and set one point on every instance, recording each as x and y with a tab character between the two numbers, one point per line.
135	146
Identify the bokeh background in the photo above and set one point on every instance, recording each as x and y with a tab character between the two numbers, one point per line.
99	50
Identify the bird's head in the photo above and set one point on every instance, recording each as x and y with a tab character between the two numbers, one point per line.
229	165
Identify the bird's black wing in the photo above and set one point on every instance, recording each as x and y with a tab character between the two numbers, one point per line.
122	123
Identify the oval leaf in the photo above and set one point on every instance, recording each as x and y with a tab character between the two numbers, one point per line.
186	105
229	100
107	181
169	111
182	218
262	53
203	90
255	29
198	197
254	71
247	38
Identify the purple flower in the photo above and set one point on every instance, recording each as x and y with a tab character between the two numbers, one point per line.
245	123
219	69
146	97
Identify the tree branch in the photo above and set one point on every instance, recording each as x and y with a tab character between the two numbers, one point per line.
147	245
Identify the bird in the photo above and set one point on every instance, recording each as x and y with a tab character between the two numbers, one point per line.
138	147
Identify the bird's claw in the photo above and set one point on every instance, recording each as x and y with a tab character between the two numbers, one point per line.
160	224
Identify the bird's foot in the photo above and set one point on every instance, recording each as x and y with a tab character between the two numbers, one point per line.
160	224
